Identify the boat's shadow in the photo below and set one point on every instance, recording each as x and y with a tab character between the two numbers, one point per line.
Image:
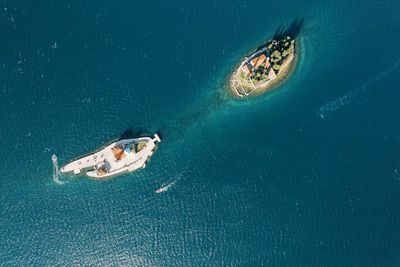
130	133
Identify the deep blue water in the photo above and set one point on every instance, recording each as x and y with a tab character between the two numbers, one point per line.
308	174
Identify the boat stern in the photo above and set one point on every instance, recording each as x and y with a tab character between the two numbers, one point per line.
69	168
156	138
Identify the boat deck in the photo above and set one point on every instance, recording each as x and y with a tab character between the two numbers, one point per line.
106	157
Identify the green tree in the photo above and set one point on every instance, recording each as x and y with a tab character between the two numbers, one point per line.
276	66
275	53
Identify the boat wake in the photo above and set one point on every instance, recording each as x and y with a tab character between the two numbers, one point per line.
166	187
330	107
56	171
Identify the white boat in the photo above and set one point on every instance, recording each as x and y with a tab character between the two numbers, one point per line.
124	155
162	189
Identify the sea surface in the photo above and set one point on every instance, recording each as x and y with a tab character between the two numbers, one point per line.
307	175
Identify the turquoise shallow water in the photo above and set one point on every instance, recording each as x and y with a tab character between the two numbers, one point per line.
267	181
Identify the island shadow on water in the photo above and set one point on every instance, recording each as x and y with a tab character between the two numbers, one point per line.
293	30
130	133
